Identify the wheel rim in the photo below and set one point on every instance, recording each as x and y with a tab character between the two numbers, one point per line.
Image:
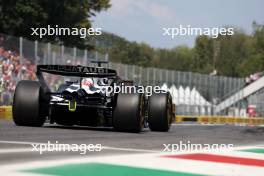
141	108
169	112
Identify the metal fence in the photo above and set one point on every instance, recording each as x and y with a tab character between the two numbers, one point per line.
193	93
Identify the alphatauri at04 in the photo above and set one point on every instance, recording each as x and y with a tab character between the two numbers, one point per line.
82	101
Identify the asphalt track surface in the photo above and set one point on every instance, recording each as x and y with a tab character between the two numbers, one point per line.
15	139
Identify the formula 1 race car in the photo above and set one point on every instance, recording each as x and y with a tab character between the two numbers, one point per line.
85	101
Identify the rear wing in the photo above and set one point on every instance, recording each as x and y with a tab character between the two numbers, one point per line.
76	71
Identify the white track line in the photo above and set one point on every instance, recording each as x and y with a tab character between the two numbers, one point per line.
31	143
22	150
15	150
123	149
151	161
130	149
20	142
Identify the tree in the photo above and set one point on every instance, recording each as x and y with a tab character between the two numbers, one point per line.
255	59
233	51
17	17
203	62
238	55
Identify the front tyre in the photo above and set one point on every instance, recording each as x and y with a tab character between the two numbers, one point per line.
29	104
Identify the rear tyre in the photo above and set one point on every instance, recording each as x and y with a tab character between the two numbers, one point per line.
29	105
160	113
128	113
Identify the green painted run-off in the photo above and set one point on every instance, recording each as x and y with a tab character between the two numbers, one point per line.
97	169
254	150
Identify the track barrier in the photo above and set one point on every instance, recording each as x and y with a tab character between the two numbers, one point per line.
6	113
221	120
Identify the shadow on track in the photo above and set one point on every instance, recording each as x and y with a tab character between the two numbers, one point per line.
258	131
106	129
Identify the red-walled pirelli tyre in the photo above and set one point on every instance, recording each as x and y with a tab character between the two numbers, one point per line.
160	114
128	113
29	107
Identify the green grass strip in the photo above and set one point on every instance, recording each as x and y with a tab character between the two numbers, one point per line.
254	150
97	169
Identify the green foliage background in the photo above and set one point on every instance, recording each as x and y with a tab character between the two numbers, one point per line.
238	55
17	17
